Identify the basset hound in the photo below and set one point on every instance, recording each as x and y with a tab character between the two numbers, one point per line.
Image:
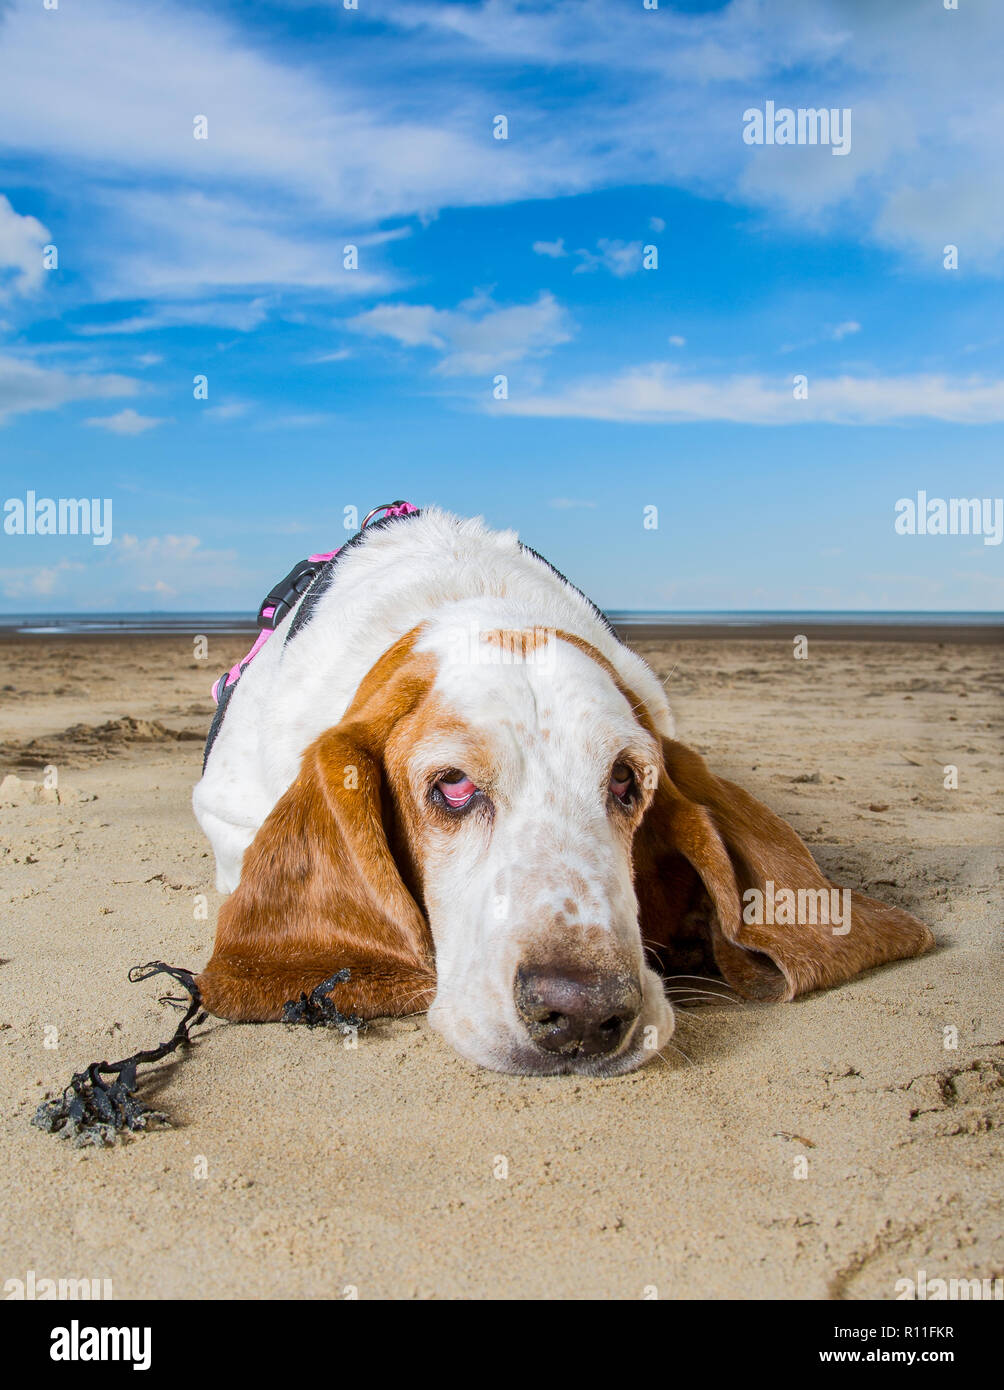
447	774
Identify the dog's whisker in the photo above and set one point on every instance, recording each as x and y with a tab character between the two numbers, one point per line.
703	994
721	991
689	1060
708	979
423	989
684	1006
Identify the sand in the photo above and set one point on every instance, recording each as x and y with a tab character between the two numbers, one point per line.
822	1149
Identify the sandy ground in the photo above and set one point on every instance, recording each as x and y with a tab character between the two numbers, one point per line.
380	1169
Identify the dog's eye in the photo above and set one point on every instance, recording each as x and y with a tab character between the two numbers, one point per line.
622	783
456	788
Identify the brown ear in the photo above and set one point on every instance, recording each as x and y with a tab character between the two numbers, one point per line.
736	845
319	889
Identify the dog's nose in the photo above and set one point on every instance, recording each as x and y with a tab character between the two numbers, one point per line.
577	1012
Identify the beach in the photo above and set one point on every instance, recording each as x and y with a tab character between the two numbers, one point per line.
824	1149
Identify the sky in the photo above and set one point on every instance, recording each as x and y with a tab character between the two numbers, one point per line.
622	305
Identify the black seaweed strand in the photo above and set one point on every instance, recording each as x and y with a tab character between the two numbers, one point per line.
93	1111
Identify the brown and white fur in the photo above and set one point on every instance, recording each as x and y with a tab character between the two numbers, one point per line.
534	921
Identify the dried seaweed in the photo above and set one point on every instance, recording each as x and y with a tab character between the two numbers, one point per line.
316	1010
93	1111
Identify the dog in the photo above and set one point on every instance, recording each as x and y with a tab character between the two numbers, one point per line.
447	775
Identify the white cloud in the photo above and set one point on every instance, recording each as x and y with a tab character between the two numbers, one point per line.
131	106
924	97
676	341
241	315
925	216
340	355
192	245
172	567
162	567
304	156
306	420
22	238
477	336
229	410
568	504
127	421
659	393
25	386
155	550
412	325
305	153
336	146
621	258
165	566
36	581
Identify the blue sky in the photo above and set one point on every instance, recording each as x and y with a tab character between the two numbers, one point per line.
627	387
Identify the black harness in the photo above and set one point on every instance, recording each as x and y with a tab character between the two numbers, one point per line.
306	582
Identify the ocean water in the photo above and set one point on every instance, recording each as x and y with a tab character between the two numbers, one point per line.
768	618
139	624
144	624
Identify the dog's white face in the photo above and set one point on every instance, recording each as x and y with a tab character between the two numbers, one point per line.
526	786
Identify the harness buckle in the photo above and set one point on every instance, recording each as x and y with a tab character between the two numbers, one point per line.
280	599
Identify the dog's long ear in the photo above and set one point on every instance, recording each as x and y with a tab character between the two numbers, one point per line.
320	890
773	933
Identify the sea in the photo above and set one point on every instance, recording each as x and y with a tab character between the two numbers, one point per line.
149	624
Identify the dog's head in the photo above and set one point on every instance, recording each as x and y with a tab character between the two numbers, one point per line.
523	777
496	831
